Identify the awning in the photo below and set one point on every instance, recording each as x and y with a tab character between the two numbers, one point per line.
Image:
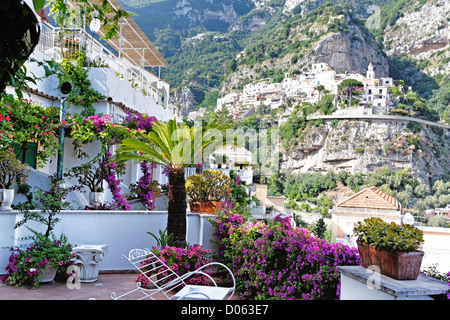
135	45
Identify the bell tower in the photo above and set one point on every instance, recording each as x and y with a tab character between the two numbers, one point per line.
370	72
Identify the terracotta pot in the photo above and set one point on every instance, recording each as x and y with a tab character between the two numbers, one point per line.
397	265
205	206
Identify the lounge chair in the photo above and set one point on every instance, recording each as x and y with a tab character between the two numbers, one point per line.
163	283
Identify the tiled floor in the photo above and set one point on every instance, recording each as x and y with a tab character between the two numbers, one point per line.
99	290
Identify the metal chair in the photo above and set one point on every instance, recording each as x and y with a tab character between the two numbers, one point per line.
164	283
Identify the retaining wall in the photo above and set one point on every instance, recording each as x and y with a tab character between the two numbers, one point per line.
120	230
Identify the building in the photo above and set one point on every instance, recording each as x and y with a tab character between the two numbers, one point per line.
310	86
119	72
370	202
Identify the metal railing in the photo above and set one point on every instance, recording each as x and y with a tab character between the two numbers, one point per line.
69	42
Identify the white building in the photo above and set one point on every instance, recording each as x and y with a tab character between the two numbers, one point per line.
119	74
304	88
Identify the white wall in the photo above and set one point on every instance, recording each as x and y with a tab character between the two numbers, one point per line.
120	230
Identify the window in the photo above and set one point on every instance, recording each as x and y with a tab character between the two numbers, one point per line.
27	154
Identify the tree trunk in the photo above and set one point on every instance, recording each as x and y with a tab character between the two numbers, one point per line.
176	220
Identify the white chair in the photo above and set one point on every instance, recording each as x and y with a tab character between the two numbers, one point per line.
164	283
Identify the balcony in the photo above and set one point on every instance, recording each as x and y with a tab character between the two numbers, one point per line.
111	74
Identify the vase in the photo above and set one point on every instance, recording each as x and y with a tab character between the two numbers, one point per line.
397	265
49	274
96	198
6	199
205	206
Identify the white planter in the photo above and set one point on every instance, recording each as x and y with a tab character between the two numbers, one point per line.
6	199
49	275
96	197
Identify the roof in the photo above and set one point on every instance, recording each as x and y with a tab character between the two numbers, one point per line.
136	47
371	198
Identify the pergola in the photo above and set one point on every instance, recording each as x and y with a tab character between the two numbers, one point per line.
131	42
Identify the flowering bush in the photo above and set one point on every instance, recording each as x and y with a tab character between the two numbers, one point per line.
432	272
146	188
181	261
276	261
111	169
27	266
23	120
405	144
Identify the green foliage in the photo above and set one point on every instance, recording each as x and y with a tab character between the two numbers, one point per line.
389	236
305	185
107	14
22	121
50	203
11	170
163	240
239	193
88	174
73	70
320	228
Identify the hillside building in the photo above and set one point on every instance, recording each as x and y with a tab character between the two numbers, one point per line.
118	72
374	99
370	202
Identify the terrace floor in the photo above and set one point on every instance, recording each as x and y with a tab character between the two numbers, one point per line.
99	290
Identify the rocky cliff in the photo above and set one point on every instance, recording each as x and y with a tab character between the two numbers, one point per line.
423	34
363	146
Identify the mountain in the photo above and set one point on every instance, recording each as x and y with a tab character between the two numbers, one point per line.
201	39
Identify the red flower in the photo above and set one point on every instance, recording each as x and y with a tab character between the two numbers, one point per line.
36	126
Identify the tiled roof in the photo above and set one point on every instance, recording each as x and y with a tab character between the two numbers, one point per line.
371	198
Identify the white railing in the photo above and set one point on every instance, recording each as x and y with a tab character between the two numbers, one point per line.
58	42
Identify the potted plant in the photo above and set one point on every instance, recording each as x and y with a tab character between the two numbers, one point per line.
11	171
92	177
207	191
391	247
40	262
30	266
220	160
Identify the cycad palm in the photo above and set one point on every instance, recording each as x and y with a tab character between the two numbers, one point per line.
174	146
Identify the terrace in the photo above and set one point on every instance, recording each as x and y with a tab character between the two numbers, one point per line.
269	258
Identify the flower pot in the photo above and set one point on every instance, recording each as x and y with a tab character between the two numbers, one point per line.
205	206
6	199
397	265
96	198
49	274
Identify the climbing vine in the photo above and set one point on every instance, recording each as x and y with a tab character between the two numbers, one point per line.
108	16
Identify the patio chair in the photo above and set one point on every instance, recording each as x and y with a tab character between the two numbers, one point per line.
164	283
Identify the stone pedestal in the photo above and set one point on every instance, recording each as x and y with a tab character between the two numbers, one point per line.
88	258
359	283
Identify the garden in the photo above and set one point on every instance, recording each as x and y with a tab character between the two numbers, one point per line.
270	259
